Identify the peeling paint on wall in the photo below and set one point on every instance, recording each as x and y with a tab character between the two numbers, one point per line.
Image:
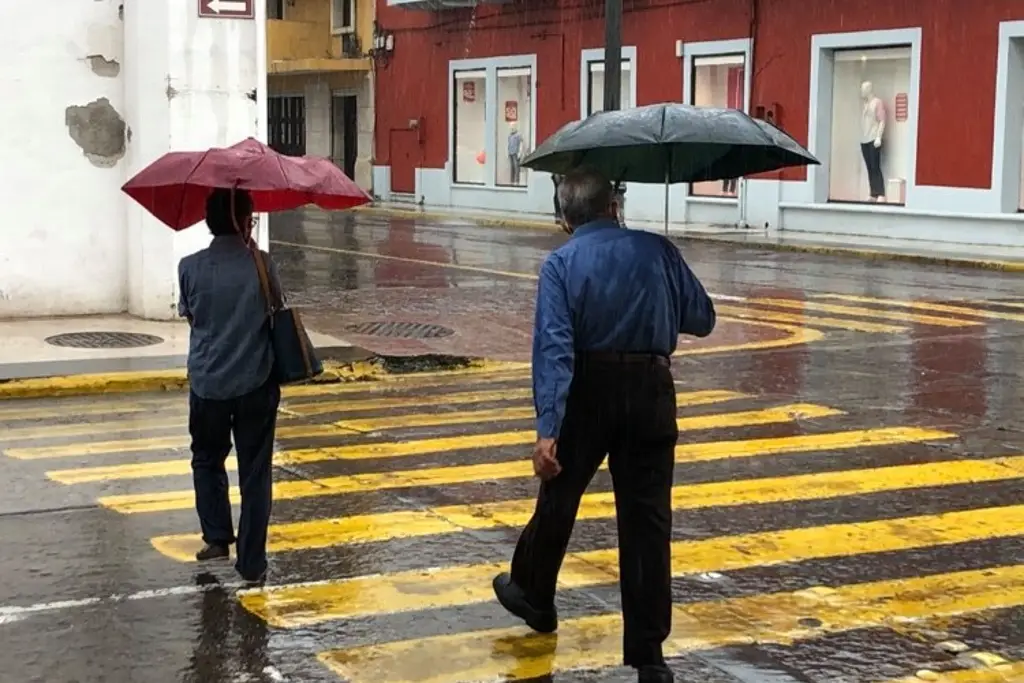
99	130
101	66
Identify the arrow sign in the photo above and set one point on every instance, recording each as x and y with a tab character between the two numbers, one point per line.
227	9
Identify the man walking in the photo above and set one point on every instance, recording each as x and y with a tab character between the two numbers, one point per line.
233	392
610	306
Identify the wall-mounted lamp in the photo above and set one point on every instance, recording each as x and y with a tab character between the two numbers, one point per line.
383	44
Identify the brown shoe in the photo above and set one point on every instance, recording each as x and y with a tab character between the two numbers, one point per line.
213	551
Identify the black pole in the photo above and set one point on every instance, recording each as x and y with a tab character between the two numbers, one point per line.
612	54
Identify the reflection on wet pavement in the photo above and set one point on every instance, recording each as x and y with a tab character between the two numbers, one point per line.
846	504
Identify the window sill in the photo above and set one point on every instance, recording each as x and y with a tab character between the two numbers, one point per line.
901	210
343	31
484	186
708	199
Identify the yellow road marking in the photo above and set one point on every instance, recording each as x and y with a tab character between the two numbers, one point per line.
406	591
775	316
360	451
866	312
458	398
1006	672
797	336
323	533
715	450
418	380
595	642
180	411
391	384
375	424
925	306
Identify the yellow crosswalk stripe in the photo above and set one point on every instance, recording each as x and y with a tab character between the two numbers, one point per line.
747	312
595	642
323	533
44	409
458	398
968	312
407	591
715	450
1003	672
363	451
858	311
180	420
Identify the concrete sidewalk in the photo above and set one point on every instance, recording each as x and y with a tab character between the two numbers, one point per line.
1007	259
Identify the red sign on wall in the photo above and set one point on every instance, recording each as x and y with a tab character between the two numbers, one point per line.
468	91
227	9
901	106
511	111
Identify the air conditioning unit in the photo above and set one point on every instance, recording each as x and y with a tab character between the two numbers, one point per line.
350	46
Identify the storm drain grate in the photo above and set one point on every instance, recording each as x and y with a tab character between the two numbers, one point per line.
401	330
103	340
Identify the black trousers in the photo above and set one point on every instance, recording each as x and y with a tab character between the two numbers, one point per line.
626	410
873	162
251	419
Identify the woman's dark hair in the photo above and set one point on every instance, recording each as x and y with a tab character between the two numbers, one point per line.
218	211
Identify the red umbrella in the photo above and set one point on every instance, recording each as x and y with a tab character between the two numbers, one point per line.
174	188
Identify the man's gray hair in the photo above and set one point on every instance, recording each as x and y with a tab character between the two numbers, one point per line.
584	195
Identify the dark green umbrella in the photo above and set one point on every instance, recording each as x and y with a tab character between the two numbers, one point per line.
669	143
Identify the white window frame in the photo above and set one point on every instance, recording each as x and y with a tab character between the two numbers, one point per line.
715	48
819	130
337	30
597	55
1009	120
491	66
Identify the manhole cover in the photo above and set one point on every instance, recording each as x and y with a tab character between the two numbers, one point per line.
103	340
400	330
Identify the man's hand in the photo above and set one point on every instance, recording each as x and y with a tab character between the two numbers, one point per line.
545	460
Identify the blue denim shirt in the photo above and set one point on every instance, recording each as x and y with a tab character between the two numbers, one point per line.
609	289
229	353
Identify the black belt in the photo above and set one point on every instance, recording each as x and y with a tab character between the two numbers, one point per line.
616	357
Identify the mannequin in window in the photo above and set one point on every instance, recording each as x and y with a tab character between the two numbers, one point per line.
515	149
872	130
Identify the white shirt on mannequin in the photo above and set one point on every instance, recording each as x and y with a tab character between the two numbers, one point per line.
872	124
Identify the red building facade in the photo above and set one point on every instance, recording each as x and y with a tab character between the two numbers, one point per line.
939	85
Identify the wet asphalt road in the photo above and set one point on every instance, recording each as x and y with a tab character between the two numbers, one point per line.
848	503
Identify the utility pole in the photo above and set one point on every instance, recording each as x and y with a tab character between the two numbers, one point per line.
612	55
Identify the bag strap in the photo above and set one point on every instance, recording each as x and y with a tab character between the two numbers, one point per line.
270	294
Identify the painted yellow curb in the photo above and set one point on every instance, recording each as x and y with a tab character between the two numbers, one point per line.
177	379
828	250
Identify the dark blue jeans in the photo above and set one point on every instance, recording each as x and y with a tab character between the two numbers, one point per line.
251	419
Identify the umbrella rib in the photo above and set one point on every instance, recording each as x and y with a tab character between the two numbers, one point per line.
181	204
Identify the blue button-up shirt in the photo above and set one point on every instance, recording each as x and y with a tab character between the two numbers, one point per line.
230	352
609	289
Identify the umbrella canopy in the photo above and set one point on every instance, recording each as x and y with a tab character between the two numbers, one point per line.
174	188
669	143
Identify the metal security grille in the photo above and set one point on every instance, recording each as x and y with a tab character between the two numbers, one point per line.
286	125
401	330
103	340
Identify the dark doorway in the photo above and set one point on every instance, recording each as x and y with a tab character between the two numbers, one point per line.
275	9
345	133
286	125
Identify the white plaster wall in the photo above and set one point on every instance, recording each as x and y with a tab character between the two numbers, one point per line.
62	241
189	85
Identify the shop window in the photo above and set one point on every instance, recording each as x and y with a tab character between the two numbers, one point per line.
513	132
871	147
718	81
469	91
595	86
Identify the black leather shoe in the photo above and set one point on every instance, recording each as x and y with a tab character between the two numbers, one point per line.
514	600
655	674
213	551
